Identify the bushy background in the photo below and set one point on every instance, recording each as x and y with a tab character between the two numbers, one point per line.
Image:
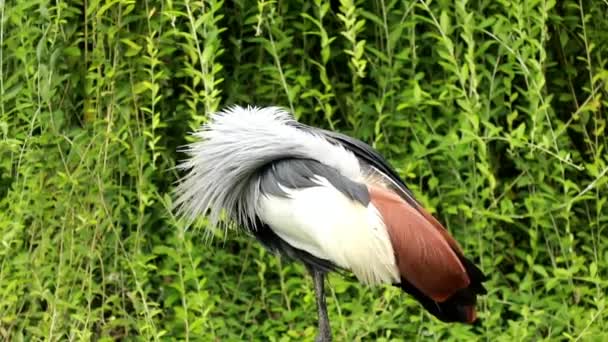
493	111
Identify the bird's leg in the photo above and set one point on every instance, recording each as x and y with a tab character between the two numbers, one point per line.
324	333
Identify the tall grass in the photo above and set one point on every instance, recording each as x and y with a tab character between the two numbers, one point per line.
493	111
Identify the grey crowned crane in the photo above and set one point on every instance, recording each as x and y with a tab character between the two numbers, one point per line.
329	201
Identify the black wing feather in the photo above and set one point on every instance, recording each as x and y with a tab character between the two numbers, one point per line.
367	153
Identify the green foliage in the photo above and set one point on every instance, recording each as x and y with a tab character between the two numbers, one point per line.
493	111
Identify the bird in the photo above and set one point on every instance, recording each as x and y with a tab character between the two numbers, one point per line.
327	200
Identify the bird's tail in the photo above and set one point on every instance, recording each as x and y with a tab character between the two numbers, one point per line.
232	148
432	266
460	306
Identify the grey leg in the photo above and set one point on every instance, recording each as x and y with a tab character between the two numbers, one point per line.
324	333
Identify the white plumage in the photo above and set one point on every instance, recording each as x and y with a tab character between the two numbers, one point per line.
236	143
323	222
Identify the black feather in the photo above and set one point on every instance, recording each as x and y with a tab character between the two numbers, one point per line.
368	154
454	308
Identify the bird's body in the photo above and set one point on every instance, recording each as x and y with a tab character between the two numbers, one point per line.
329	201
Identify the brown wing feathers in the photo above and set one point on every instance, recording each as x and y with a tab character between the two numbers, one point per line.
424	256
430	261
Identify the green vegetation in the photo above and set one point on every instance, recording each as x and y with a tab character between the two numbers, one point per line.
493	111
